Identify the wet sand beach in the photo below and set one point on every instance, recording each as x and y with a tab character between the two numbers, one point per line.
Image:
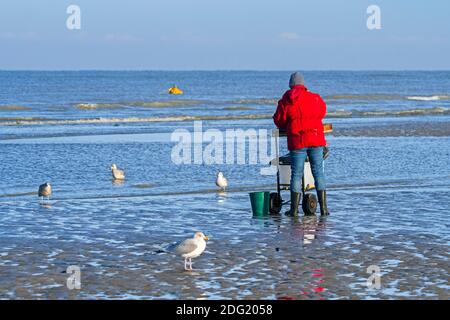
388	179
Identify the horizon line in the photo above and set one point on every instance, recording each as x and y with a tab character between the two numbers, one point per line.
224	70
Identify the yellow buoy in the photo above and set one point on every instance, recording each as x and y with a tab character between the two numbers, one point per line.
175	90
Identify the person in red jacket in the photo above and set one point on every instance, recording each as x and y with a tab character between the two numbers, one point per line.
300	113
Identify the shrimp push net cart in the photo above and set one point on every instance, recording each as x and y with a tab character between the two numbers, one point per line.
283	164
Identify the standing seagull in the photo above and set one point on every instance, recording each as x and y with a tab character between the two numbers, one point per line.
45	190
221	181
117	173
191	248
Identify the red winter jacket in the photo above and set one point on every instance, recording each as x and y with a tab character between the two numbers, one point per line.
300	113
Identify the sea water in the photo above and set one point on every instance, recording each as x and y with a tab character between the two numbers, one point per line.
388	178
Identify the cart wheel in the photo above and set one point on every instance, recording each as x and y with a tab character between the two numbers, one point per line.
275	203
309	204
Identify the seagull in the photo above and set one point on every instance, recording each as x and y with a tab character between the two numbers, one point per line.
191	248
117	173
45	190
221	181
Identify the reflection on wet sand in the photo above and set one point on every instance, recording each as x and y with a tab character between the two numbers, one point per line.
117	182
312	226
221	196
45	205
116	243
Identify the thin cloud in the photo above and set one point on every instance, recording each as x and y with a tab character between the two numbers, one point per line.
121	38
290	36
17	36
190	38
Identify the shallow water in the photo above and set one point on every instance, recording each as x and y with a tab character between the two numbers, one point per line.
390	213
115	242
63	97
388	178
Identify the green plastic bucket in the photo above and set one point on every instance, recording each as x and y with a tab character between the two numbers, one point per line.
260	203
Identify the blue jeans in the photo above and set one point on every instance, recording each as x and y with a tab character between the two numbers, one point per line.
298	158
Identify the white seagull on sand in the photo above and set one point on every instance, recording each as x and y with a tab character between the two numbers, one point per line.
45	190
221	181
191	248
117	173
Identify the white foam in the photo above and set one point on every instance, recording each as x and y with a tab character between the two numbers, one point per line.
428	98
32	121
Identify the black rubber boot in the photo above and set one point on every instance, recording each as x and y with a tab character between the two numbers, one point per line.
322	195
295	200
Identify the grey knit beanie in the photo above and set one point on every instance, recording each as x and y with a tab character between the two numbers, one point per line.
296	79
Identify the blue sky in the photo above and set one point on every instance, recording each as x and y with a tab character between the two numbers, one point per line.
219	34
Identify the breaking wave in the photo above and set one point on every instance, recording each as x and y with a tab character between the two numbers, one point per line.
361	97
338	97
389	113
95	106
234	104
411	112
259	101
428	98
364	97
13	108
175	103
330	114
238	108
380	97
164	104
142	104
35	121
339	114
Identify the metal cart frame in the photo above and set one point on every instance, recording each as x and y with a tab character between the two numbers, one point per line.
309	199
